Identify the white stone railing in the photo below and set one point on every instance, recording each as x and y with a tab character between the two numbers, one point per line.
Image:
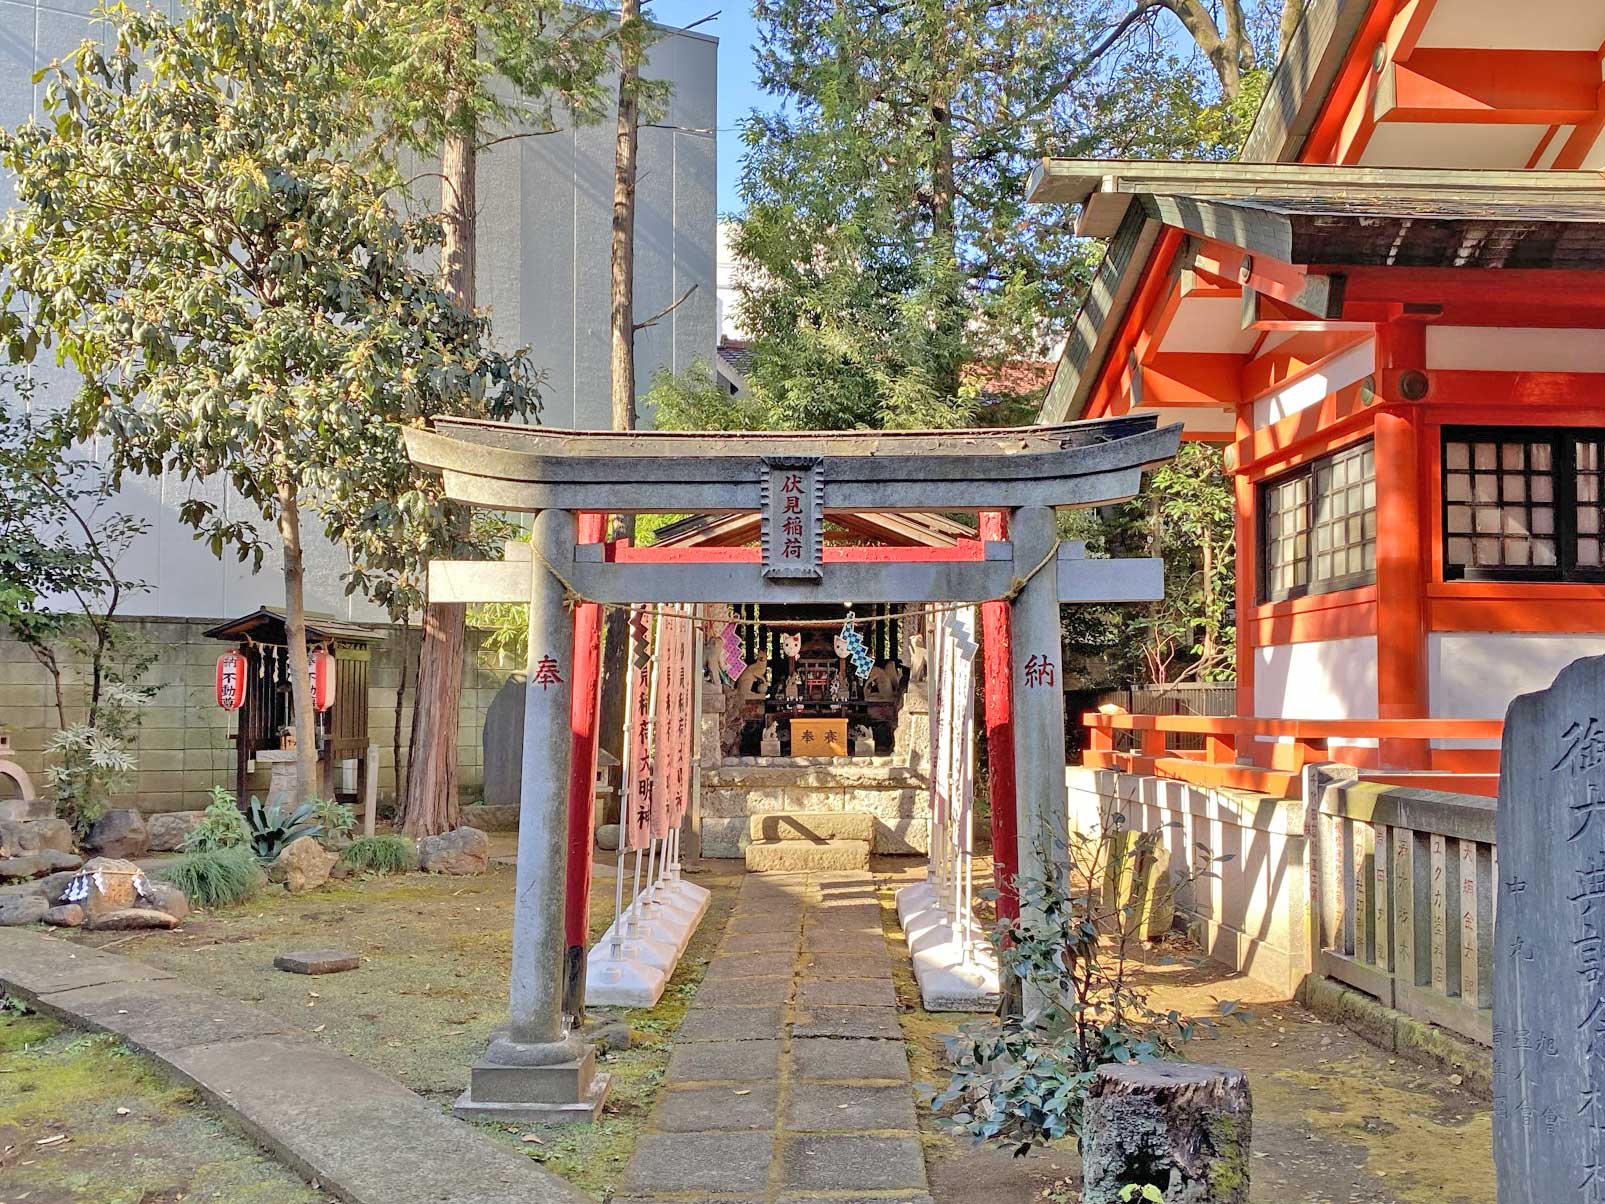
1404	887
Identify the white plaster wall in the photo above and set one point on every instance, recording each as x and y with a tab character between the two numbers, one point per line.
1476	674
546	211
1508	349
1323	679
1341	371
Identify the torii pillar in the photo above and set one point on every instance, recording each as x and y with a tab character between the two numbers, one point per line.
536	1069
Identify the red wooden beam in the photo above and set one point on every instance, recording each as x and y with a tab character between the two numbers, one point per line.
1491	87
1192	379
625	553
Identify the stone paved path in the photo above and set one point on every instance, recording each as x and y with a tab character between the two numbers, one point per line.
789	1081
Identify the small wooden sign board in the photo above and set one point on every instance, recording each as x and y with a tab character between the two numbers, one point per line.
819	737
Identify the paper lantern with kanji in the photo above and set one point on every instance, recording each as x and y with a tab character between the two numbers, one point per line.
230	686
321	664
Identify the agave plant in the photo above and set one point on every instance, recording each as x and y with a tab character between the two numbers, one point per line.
272	829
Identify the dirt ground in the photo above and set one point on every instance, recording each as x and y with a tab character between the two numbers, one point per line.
84	1121
433	984
1336	1121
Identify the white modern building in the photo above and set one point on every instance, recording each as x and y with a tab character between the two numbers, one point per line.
543	273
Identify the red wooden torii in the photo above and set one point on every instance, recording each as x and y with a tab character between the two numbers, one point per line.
587	681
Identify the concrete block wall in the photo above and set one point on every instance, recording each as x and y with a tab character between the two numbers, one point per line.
182	743
1253	914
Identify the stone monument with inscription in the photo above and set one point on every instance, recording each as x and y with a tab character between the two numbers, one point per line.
1549	994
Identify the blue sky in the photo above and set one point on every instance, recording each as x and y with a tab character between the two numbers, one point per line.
738	93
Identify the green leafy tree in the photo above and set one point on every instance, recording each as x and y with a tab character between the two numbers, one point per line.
448	80
204	233
1184	516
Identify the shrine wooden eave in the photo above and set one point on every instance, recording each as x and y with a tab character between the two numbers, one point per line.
265	625
1291	230
522	468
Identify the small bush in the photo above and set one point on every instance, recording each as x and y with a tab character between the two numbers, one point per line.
271	830
381	855
336	818
214	877
222	828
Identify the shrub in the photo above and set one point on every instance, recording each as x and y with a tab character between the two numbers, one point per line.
272	829
222	828
381	854
336	819
214	877
1020	1080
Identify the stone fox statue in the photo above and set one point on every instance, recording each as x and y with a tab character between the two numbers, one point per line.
754	679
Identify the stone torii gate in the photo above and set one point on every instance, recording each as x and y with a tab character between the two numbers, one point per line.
536	1069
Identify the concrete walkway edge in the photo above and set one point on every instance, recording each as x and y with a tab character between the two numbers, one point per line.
356	1133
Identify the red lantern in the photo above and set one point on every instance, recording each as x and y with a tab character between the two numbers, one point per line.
322	667
230	686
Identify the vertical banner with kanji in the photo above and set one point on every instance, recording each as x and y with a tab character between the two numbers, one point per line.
941	700
636	813
686	675
672	722
961	762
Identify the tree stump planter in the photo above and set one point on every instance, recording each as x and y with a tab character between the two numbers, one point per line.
1180	1127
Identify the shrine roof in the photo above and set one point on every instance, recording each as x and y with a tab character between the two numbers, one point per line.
265	625
513	467
1310	216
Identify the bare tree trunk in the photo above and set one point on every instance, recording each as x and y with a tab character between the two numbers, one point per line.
622	343
621	361
405	655
295	639
1225	54
431	791
1292	12
47	658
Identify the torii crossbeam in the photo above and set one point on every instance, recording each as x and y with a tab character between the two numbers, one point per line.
536	1070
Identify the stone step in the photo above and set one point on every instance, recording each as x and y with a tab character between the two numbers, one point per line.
792	856
815	827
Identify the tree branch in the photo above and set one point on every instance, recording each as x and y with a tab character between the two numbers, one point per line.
666	311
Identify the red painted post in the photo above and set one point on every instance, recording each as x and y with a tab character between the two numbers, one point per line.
997	692
587	664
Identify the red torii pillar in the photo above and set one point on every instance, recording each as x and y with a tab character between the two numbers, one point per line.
587	662
997	694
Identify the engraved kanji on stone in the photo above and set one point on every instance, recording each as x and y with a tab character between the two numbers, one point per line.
547	673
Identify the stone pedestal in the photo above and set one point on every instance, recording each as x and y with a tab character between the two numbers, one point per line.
557	1092
280	764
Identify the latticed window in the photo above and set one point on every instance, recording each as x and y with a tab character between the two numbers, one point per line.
1523	503
1319	526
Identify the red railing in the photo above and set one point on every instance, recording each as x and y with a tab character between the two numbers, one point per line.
1267	755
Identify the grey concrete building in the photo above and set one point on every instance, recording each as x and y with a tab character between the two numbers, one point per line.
546	206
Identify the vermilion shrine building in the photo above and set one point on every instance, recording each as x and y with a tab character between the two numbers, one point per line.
1390	313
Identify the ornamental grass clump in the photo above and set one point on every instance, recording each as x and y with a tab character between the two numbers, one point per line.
381	855
215	877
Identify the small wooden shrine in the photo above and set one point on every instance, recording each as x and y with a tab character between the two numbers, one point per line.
267	710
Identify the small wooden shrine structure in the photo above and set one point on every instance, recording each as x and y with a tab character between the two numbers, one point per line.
267	710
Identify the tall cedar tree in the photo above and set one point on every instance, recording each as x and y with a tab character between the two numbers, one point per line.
454	78
887	240
202	233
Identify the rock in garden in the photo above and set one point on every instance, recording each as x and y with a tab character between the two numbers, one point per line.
23	865
22	909
462	851
19	836
55	861
68	915
130	917
1179	1126
119	833
164	896
54	886
303	865
316	961
168	830
607	837
106	884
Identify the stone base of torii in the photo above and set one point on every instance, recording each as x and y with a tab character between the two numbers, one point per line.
537	1069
